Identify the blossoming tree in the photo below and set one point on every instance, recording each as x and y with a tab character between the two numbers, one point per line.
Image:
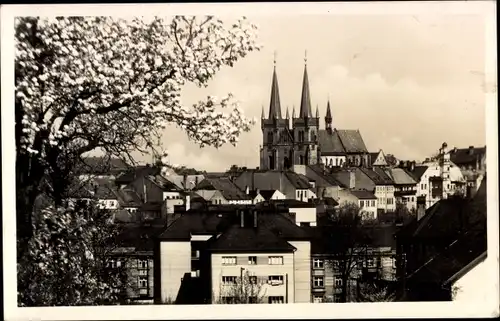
87	83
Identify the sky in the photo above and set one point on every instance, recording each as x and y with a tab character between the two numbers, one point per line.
408	83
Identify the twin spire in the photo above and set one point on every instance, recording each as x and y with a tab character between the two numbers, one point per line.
305	102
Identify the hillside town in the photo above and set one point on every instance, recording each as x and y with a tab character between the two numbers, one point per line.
269	234
319	217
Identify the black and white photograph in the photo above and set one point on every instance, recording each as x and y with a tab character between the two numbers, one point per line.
328	157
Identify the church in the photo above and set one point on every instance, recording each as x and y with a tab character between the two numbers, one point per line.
300	141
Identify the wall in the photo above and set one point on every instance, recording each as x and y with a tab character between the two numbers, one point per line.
369	207
330	161
475	286
306	195
302	271
153	191
108	204
304	215
175	260
262	270
346	197
242	202
383	193
433	169
134	274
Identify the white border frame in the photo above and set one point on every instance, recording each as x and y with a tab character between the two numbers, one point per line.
308	311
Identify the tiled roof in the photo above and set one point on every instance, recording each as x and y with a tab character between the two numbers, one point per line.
270	180
101	165
132	174
400	176
330	143
465	156
228	189
139	236
377	175
363	194
248	240
163	183
352	141
129	198
105	192
373	158
418	171
325	175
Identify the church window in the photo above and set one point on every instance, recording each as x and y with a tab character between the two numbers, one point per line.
301	160
270	137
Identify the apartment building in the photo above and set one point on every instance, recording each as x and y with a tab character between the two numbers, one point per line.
204	255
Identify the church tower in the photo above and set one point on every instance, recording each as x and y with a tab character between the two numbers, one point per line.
328	118
305	128
277	148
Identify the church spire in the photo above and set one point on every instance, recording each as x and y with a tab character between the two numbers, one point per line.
287	113
293	112
317	111
328	117
305	102
262	115
274	106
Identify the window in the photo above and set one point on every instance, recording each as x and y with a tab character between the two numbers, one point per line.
361	203
252	260
142	264
275	279
305	224
143	272
195	254
276	300
143	282
394	262
373	203
338	282
389	201
318	263
319	282
229	260
228	279
370	262
274	260
114	264
317	299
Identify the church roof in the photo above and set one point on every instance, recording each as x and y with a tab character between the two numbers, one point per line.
341	141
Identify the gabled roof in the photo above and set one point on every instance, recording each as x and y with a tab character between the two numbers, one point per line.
363	194
377	175
352	140
297	180
128	198
228	189
163	183
267	193
400	176
418	172
374	156
328	177
465	156
330	143
134	173
270	180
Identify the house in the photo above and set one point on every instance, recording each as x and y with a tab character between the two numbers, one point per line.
374	180
211	250
301	213
222	190
444	249
441	179
135	174
405	187
100	167
367	203
472	164
134	253
291	184
378	159
324	184
265	195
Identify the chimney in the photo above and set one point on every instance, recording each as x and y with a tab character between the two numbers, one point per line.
471	150
258	191
145	191
420	211
187	202
185	181
242	218
412	166
255	219
196	180
352	179
247	190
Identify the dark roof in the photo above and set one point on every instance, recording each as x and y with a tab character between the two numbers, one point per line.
324	174
377	175
330	201
418	171
297	180
270	180
237	239
373	158
466	156
151	206
134	173
228	189
101	165
129	198
352	141
274	105
329	143
139	236
164	183
363	194
400	176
